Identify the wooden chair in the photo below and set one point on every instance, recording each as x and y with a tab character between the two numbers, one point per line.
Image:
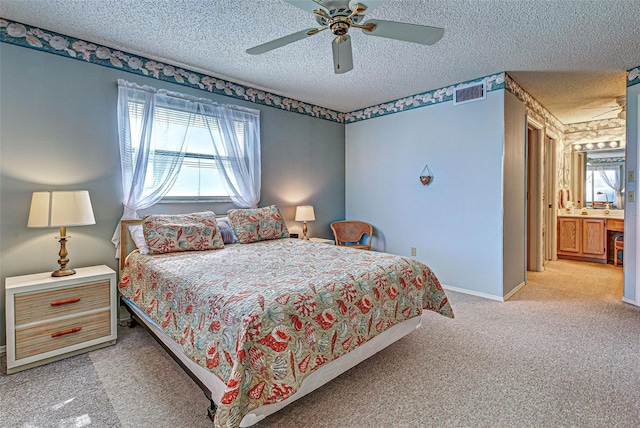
618	245
352	233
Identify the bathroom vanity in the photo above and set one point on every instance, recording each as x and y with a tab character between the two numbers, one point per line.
587	236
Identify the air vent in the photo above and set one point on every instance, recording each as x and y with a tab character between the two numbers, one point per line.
468	93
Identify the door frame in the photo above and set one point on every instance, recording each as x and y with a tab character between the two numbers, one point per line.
550	196
535	212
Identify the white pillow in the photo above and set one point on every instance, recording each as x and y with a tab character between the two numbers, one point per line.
138	238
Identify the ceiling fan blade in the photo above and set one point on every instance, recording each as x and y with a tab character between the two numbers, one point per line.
608	111
406	32
369	4
342	54
282	41
306	5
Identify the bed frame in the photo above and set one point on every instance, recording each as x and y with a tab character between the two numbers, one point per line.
213	387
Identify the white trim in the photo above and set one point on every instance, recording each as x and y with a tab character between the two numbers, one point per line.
533	122
551	134
634	237
514	291
3	350
629	301
473	293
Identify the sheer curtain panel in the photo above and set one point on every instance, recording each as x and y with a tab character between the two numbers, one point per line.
151	145
238	161
615	183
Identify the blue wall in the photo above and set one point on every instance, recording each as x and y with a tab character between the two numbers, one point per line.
58	130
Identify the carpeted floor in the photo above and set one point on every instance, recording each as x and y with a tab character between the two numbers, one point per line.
563	352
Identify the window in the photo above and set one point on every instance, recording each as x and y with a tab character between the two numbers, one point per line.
598	190
180	147
198	178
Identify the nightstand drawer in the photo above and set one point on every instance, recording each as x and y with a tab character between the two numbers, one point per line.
42	305
48	336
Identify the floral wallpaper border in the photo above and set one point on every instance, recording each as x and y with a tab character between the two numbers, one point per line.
48	41
423	99
633	76
594	125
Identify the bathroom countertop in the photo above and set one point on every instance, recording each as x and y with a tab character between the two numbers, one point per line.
591	213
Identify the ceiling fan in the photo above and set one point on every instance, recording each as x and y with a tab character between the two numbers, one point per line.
621	102
340	16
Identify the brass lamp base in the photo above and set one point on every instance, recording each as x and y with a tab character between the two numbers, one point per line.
304	230
63	260
63	272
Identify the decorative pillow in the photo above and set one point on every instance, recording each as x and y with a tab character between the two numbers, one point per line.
138	238
258	224
226	230
182	232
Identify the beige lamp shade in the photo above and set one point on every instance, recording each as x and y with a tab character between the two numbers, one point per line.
305	213
61	209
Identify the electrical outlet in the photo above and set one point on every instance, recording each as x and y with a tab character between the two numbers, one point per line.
413	251
632	196
632	176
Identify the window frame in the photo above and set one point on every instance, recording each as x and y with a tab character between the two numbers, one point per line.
192	155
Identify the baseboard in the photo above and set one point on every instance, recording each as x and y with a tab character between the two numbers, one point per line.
3	350
629	301
473	293
514	291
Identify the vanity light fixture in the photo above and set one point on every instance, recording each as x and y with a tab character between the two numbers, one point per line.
602	145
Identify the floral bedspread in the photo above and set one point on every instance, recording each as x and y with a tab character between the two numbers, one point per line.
263	316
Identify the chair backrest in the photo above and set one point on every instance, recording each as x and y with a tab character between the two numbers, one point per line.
352	233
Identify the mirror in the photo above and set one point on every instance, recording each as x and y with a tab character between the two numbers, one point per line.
601	175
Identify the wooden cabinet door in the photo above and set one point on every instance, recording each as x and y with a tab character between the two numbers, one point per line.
593	236
569	235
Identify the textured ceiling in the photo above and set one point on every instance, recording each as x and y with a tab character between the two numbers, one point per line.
569	55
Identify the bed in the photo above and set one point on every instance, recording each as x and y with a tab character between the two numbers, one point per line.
259	325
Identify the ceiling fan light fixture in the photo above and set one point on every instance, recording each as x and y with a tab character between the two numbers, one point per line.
623	114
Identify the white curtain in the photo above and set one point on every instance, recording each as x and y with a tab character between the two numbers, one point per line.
614	183
145	139
153	141
238	161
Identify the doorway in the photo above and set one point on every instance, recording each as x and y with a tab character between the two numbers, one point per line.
542	182
535	191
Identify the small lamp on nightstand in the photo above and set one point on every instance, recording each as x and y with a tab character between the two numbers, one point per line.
61	209
304	213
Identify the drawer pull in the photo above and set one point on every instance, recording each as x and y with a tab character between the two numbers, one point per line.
62	333
64	302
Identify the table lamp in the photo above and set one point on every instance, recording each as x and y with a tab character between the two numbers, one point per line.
304	213
61	209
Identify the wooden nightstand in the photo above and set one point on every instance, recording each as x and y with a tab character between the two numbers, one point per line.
51	318
322	241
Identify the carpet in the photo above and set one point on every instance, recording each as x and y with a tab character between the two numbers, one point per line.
562	352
